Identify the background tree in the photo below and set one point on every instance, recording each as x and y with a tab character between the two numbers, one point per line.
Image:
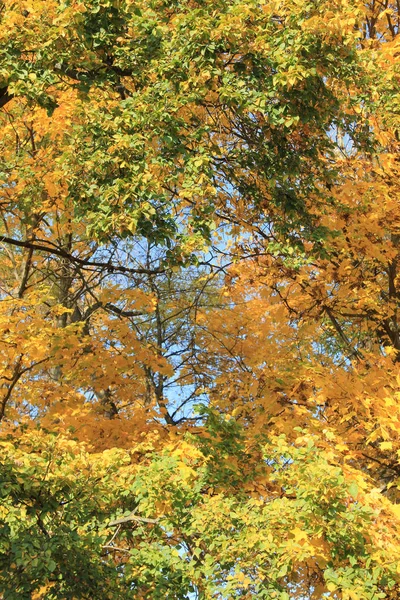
199	300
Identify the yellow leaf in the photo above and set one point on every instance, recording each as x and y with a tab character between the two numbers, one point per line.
396	510
386	446
298	534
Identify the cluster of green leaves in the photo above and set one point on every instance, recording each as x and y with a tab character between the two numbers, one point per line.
178	102
67	514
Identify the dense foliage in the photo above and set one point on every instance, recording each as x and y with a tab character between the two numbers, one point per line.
199	285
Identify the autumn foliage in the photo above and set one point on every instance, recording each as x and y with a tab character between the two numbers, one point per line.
199	285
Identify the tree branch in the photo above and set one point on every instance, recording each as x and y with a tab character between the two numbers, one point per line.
131	517
112	268
116	549
5	97
342	335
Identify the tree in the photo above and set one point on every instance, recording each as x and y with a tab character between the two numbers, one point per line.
199	300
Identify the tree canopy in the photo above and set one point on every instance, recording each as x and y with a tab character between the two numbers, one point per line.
199	299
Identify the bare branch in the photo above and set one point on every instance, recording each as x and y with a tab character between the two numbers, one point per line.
112	268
